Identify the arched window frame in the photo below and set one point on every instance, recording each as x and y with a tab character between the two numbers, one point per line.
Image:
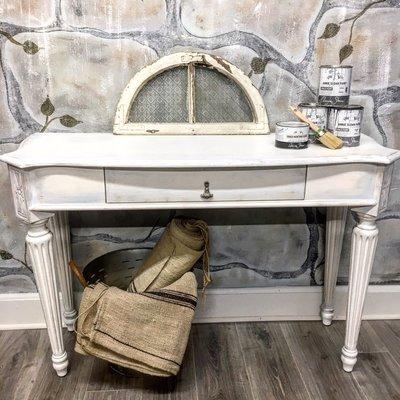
259	125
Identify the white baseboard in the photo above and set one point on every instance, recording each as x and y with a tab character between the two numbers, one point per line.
23	310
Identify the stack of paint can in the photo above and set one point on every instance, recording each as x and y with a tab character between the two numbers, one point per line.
332	112
315	113
342	119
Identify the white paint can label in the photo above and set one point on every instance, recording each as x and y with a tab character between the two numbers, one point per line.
346	123
334	85
315	113
291	135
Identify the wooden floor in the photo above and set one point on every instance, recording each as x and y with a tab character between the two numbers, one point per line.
266	361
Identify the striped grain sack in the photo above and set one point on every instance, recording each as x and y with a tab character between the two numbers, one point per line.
147	332
183	242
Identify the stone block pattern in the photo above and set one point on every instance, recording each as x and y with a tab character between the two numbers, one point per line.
84	75
30	13
82	53
115	16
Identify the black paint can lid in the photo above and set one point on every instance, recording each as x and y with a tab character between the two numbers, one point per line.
312	105
348	107
336	66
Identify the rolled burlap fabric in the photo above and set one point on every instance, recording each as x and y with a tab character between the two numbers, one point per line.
147	332
183	242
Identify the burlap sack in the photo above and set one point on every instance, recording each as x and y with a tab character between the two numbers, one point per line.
147	332
183	242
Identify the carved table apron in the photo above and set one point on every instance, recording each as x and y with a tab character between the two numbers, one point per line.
53	173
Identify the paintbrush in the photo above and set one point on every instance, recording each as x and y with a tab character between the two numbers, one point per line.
328	139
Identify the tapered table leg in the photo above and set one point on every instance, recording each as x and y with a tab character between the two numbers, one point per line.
40	247
62	252
363	246
335	224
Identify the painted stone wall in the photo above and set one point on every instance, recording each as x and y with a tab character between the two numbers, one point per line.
81	53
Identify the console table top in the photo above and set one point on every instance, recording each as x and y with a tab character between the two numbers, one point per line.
236	151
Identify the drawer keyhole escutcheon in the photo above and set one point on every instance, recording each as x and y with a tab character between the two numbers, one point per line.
206	194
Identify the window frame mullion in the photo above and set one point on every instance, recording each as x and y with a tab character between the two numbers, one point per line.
191	93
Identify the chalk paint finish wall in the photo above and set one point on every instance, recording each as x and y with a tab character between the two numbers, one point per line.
81	53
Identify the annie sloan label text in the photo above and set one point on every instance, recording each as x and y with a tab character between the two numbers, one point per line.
291	135
334	81
346	124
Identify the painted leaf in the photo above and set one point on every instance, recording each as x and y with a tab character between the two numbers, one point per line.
258	65
330	31
47	107
345	52
5	255
30	47
69	121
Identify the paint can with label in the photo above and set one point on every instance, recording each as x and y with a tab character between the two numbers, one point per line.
315	113
334	85
291	135
345	123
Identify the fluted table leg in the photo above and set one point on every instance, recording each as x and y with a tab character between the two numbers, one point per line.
40	246
363	246
62	252
335	224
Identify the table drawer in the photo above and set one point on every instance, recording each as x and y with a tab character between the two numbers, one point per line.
143	186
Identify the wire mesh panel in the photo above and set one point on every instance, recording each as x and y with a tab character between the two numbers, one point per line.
163	99
219	99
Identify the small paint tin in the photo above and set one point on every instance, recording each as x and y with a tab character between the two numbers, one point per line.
334	85
315	113
345	123
291	135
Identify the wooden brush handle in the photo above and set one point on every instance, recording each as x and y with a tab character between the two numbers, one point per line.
303	118
77	272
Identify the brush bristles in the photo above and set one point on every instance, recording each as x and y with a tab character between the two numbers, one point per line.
330	140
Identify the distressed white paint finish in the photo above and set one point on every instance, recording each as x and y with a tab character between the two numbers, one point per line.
343	182
60	185
384	195
59	227
242	151
145	186
335	224
363	246
18	190
74	171
51	207
40	246
121	125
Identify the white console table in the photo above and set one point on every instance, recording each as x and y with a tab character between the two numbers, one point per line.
52	173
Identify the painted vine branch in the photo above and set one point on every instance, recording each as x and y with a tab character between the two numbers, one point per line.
48	109
28	46
332	29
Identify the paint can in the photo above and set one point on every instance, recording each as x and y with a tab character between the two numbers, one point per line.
315	113
345	122
291	135
334	85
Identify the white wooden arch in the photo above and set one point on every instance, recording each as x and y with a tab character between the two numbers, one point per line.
259	125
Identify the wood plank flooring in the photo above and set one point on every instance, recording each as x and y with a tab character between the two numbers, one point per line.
242	361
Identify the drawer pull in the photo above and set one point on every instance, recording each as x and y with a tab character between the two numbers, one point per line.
206	194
